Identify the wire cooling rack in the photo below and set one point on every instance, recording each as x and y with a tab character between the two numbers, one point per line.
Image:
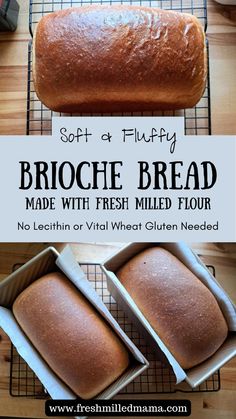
158	378
39	8
39	118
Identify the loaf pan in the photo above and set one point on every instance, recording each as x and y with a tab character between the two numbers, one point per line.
45	262
196	375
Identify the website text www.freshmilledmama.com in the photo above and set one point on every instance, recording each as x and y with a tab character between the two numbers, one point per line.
118	407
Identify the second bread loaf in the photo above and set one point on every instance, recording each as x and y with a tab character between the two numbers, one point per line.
70	335
179	307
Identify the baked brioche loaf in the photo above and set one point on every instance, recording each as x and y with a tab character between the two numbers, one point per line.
179	307
119	58
70	335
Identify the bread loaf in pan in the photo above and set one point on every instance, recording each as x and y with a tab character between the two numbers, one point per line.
70	335
179	307
119	58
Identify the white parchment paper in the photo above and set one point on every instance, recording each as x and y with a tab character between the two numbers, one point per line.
193	262
54	386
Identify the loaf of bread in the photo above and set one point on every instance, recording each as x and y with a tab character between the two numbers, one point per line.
70	335
179	307
119	58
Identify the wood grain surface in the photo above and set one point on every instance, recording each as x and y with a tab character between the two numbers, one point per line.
222	41
216	405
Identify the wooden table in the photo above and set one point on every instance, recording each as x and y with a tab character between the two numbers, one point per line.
214	405
222	40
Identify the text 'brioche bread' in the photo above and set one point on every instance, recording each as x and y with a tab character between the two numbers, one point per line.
119	58
179	307
70	335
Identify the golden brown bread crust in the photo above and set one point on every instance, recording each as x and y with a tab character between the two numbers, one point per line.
70	335
119	58
179	307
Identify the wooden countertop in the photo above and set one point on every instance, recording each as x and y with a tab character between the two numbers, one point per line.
215	405
222	40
